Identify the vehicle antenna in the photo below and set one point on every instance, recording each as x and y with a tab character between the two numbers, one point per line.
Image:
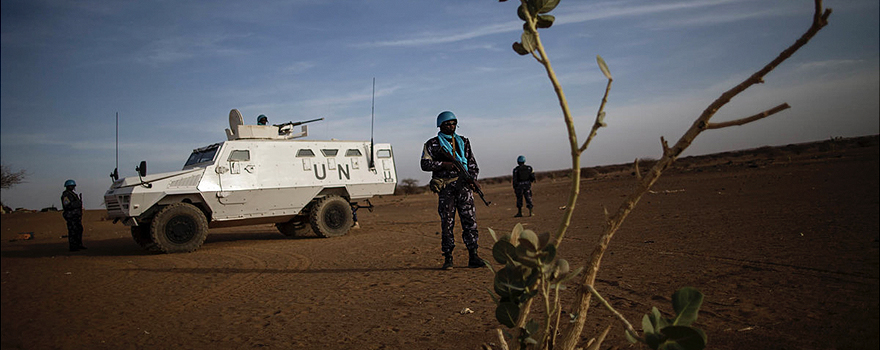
372	122
115	174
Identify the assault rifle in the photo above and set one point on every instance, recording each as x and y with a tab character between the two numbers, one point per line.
466	176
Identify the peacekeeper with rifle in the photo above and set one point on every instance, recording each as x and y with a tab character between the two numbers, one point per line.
453	177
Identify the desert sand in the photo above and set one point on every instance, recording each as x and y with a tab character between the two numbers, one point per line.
783	243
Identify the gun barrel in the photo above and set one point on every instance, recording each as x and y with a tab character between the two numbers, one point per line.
306	122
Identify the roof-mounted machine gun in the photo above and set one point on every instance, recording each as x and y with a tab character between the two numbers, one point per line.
286	129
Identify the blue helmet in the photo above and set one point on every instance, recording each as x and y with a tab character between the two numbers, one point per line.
69	183
445	116
521	159
261	118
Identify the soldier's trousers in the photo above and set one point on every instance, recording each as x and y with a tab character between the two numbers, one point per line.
457	196
523	191
74	232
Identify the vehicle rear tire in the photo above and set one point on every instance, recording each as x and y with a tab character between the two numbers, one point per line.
179	228
331	217
141	235
295	227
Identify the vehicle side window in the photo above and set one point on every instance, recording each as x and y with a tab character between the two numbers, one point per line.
239	156
383	153
329	152
353	153
305	152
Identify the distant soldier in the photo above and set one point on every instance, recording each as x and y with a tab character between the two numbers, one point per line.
262	120
523	176
73	212
455	194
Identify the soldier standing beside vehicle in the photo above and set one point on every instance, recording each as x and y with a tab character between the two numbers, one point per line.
73	212
438	156
523	176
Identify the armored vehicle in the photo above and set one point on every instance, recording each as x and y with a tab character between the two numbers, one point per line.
260	174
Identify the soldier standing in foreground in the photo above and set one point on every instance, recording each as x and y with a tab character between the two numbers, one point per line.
73	212
523	176
438	156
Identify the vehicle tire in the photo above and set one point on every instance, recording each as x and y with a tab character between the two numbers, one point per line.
141	236
295	227
331	217
179	228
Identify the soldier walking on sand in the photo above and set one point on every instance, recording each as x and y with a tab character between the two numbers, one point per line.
523	176
454	194
73	212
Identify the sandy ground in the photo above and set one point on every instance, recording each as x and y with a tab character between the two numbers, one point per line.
782	242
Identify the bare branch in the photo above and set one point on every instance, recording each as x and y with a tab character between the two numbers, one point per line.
744	121
501	339
626	324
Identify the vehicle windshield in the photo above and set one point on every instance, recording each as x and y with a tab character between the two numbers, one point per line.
202	155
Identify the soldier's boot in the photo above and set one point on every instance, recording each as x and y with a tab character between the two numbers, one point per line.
474	259
447	262
518	213
530	211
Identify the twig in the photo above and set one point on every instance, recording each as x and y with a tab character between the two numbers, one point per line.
629	327
755	117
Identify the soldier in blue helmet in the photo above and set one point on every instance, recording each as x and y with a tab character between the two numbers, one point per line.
72	205
262	120
523	176
438	156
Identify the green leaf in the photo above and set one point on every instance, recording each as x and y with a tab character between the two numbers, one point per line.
503	252
545	6
562	267
510	282
528	237
603	67
532	326
545	21
571	275
657	320
632	339
514	235
549	252
518	48
529	41
688	338
686	302
647	325
521	12
543	239
492	232
506	313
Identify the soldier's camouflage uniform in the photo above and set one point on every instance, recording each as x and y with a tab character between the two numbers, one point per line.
72	205
456	195
523	176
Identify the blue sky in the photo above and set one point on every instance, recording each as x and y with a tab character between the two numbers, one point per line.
174	69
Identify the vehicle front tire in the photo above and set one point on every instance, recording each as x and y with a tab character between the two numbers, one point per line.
179	228
331	217
295	227
141	235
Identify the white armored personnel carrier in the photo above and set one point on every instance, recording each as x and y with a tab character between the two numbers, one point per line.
261	174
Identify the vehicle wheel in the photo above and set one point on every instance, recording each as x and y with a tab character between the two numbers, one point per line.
331	217
179	228
141	236
295	227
